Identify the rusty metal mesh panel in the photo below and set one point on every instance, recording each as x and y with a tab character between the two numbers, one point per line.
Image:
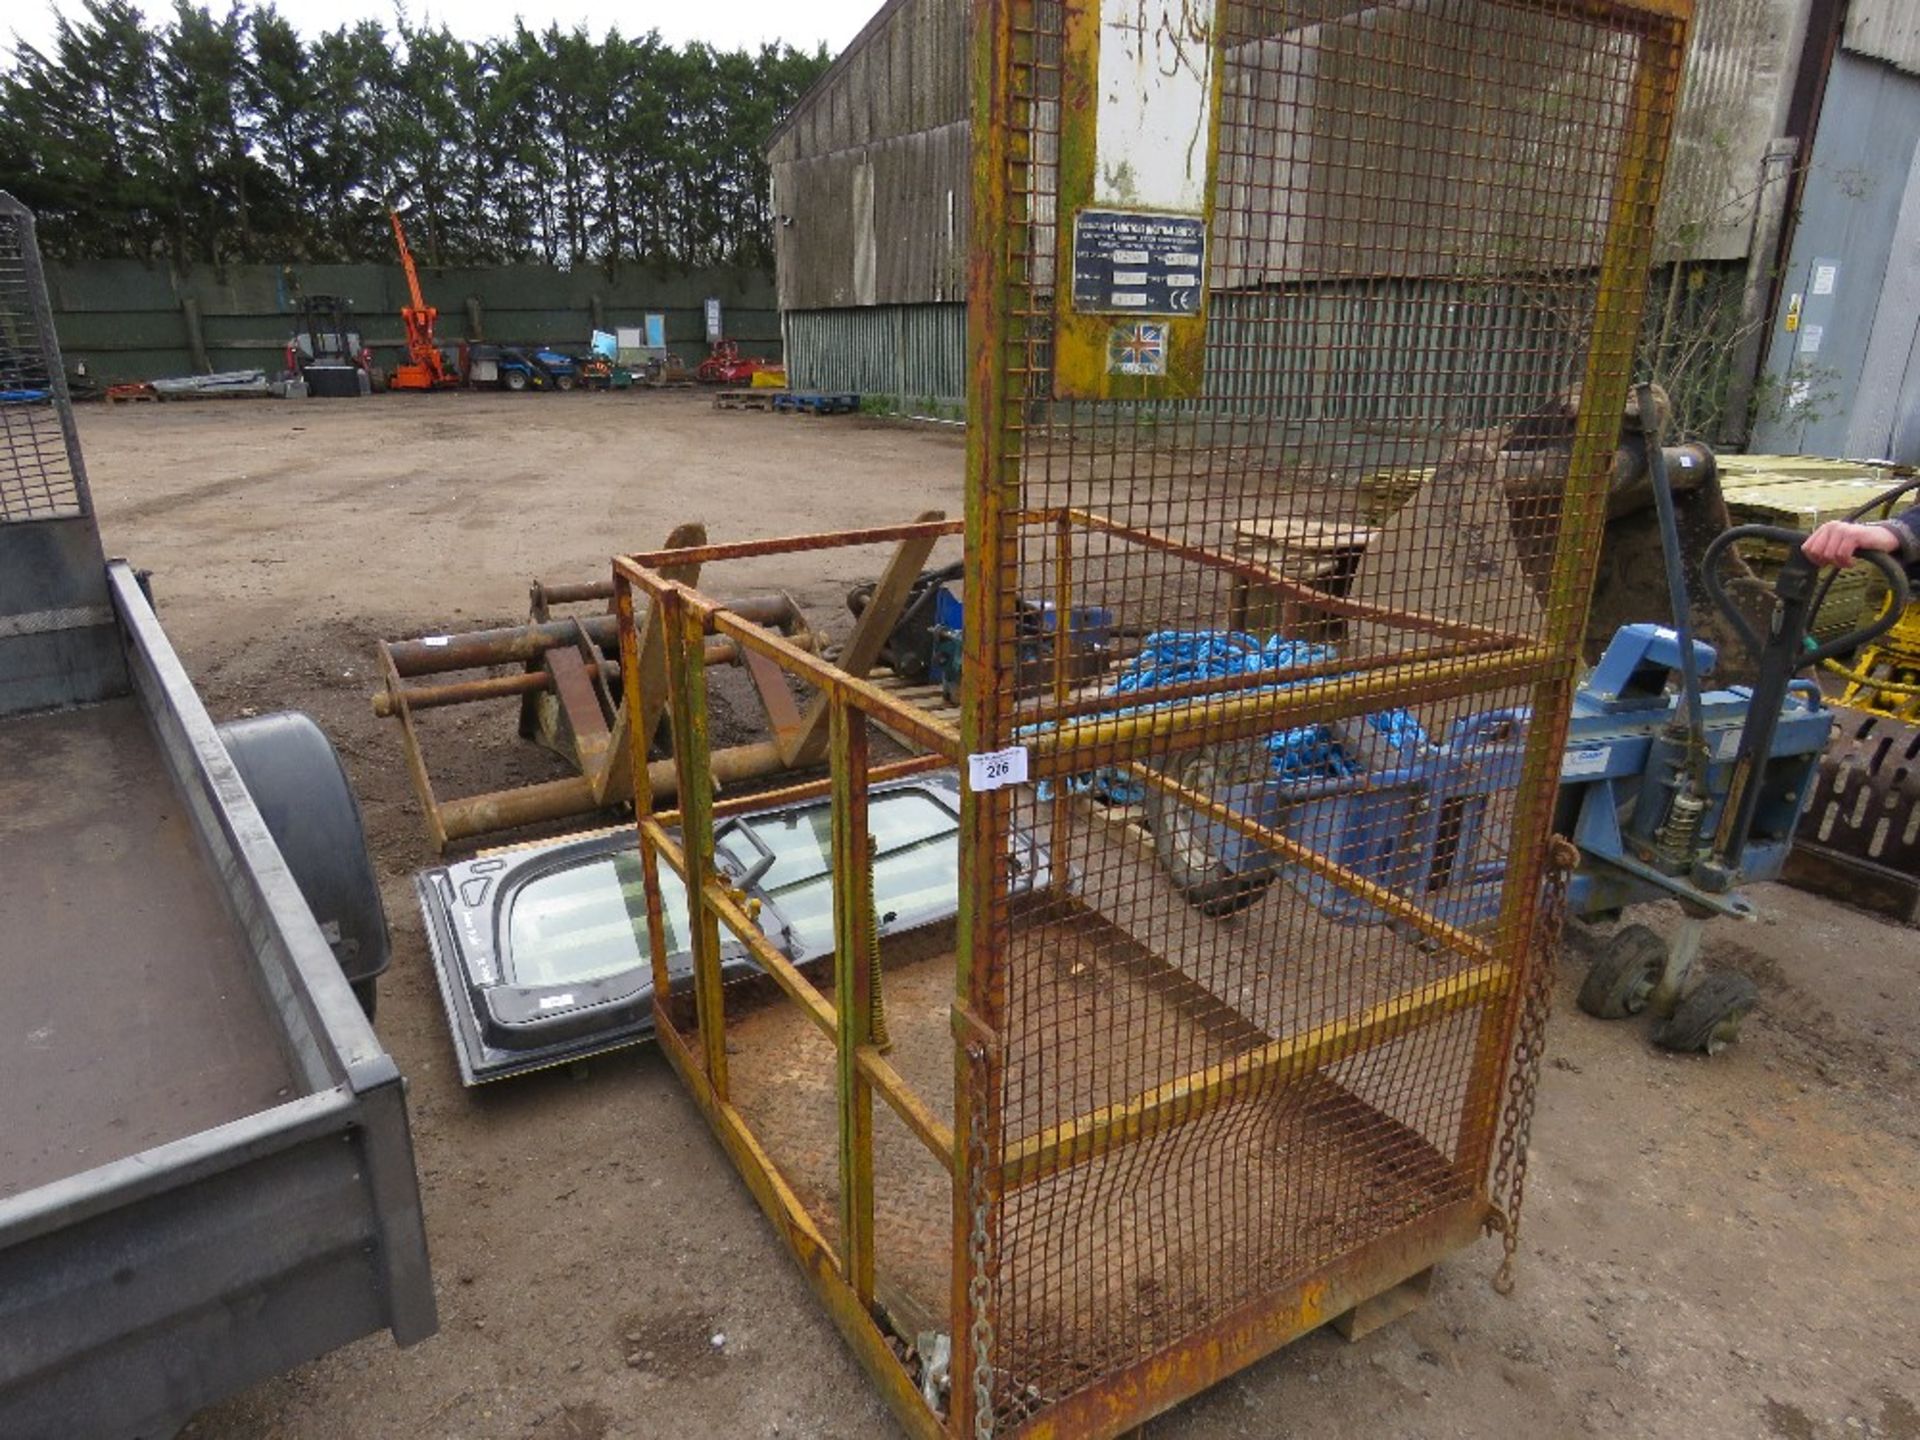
1426	257
40	477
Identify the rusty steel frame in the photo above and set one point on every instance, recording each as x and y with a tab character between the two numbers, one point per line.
1068	735
566	657
1069	744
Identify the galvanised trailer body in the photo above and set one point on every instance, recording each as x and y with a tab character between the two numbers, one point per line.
206	1174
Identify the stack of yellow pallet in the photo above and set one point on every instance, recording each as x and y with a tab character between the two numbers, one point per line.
1800	492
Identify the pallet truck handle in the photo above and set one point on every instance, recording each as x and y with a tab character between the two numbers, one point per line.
1895	573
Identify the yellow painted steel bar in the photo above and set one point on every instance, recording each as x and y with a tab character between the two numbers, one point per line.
1218	687
685	634
887	1082
886	603
1625	257
1080	745
816	1258
788	545
812	789
785	973
1294	853
1126	1398
915	723
906	1102
642	805
1001	76
1111	1127
1060	814
853	986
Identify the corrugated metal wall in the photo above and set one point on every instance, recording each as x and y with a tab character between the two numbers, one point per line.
872	177
1858	217
126	319
881	224
1397	351
871	172
1886	30
1741	63
1402	350
1398	346
909	358
905	72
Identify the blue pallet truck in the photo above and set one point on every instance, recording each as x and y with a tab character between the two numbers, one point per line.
1670	792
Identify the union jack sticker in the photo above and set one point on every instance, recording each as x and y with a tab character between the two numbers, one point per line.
1137	348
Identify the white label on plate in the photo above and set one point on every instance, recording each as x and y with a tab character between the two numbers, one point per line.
1588	760
437	640
555	1002
1726	744
996	768
1824	277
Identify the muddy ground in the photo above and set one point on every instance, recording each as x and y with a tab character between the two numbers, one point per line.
1713	1247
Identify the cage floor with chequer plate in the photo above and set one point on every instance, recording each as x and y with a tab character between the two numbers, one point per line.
1320	1164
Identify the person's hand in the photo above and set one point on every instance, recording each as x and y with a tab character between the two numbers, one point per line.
1838	541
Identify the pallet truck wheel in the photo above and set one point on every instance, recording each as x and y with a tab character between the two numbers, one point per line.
1200	875
1709	1017
1623	978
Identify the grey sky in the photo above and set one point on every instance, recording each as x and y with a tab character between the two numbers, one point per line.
725	24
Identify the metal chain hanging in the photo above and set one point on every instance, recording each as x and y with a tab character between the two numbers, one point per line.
1523	1080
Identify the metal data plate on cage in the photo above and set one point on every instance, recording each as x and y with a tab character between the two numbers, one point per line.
1139	129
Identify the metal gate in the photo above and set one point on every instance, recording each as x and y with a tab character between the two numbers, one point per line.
1237	1029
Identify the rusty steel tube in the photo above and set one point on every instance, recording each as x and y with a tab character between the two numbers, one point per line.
468	692
518	644
508	645
576	592
562	799
719	651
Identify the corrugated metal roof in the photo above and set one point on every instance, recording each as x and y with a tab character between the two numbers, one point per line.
1885	30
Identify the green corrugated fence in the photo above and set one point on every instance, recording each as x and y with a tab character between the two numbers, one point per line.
130	321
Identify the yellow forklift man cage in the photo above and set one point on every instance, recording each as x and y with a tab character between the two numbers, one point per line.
1236	1031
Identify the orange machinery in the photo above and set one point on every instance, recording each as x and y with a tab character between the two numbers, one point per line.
425	368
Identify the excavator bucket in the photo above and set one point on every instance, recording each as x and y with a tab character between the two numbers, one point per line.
1859	838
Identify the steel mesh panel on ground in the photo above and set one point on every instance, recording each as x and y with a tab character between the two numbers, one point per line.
38	477
1426	255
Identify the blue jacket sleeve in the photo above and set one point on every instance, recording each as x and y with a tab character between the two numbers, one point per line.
1907	526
